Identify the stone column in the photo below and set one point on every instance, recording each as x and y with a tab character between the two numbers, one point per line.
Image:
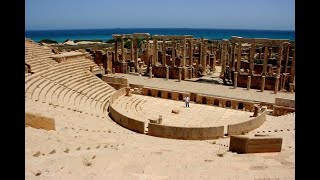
116	50
132	56
292	72
284	80
279	59
155	52
164	53
190	73
133	69
235	81
256	110
265	61
113	70
180	74
150	72
233	54
147	53
135	47
91	68
251	63
290	87
203	60
263	81
214	60
260	51
184	48
128	92
167	72
122	50
173	53
276	85
249	83
191	52
223	57
239	57
287	47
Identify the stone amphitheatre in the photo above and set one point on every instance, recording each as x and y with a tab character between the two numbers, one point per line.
119	112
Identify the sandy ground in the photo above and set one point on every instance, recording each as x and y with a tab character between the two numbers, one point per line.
87	147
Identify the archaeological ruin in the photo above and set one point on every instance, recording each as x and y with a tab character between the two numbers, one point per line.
241	90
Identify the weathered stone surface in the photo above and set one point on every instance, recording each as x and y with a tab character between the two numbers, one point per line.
175	111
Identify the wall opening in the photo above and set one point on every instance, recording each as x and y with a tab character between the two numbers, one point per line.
169	95
159	94
204	100
240	106
180	97
149	92
228	104
216	102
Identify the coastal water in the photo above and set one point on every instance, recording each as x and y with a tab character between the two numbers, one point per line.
106	34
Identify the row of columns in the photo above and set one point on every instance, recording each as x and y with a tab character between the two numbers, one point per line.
267	54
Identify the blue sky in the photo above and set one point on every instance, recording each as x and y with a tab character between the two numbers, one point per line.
95	14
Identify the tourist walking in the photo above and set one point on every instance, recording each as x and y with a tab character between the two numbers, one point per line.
187	100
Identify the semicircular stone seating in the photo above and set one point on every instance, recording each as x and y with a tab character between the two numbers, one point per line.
68	84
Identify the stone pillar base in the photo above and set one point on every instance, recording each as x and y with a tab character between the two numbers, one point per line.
276	86
150	72
291	87
249	83
263	81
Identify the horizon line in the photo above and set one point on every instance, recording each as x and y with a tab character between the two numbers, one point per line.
158	28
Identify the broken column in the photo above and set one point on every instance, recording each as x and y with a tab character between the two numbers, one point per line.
128	92
276	85
180	74
249	83
256	110
91	68
150	72
290	87
235	81
167	72
132	69
263	81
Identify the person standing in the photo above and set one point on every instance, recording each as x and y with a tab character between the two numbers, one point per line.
187	100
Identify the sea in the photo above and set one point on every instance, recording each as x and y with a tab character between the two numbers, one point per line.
106	34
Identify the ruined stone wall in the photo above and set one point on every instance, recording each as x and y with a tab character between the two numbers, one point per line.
190	133
242	144
122	119
256	82
39	122
247	126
